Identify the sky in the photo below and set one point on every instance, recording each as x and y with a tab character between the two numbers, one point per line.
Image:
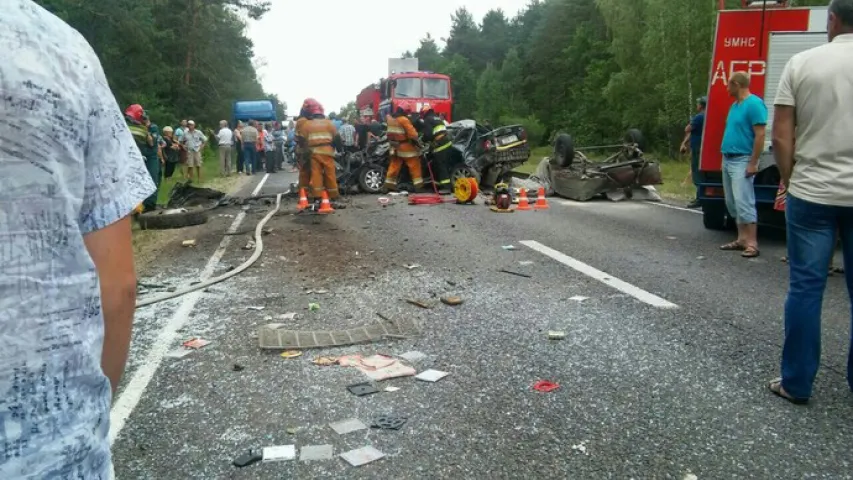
331	49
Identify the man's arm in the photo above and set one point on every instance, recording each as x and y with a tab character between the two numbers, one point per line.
112	253
784	124
687	130
758	120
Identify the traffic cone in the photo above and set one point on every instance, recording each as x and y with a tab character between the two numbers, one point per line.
303	200
325	205
541	203
523	204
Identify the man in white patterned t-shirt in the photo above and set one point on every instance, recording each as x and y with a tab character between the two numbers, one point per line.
70	175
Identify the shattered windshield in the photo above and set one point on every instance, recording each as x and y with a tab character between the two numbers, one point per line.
408	88
436	88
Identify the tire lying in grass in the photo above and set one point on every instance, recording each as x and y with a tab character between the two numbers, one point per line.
564	151
173	218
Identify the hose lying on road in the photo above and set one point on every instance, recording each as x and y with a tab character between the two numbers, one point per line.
259	248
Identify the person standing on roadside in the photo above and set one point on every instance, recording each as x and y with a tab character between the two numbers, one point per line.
269	148
194	142
348	136
812	147
179	137
67	279
171	151
238	145
693	142
743	143
250	152
225	137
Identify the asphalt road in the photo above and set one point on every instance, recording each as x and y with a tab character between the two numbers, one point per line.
662	372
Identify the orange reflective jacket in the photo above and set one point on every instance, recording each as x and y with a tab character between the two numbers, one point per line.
319	134
402	132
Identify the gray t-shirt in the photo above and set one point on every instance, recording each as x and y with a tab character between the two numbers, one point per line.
250	135
68	166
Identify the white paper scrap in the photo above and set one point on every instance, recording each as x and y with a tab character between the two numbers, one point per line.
578	298
391	389
431	375
279	453
361	456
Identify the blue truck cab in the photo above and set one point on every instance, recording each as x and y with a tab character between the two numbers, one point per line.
261	110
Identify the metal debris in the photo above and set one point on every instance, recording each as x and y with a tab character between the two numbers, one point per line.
556	335
451	300
503	270
273	337
389	422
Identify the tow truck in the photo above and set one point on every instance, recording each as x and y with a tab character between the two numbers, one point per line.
759	39
406	86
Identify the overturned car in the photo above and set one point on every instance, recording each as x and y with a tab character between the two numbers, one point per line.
569	173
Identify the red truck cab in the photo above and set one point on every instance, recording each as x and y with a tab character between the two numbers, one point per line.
758	39
408	89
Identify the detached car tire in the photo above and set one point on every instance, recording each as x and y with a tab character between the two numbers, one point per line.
715	216
161	220
564	151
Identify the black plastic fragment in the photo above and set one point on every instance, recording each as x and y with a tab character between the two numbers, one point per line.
362	389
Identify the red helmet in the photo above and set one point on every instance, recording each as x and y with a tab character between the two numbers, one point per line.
312	107
135	112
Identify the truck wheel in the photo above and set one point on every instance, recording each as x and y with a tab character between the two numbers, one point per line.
371	178
634	135
715	216
177	218
564	151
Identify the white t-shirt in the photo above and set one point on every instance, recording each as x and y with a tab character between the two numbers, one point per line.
225	136
818	83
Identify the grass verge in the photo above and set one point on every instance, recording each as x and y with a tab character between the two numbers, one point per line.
146	243
674	172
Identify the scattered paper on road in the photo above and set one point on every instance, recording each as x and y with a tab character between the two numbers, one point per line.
196	343
378	367
391	389
347	426
431	375
508	247
316	452
279	453
362	456
413	356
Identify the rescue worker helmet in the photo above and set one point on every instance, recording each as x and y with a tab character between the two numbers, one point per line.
135	113
312	107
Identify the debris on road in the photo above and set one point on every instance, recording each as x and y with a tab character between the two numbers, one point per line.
188	243
325	361
389	422
247	459
196	343
412	266
279	453
508	247
349	425
362	456
452	300
413	356
503	270
418	303
581	447
292	430
578	298
237	367
321	291
287	316
545	386
556	335
525	263
362	389
255	308
179	353
274	337
250	245
313	307
431	375
316	452
391	389
291	353
378	367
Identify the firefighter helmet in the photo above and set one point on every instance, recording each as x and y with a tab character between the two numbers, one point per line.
312	107
135	113
425	110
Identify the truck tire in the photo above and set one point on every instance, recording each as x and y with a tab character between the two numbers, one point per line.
634	135
715	216
161	220
564	151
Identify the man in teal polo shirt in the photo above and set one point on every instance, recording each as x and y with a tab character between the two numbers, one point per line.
743	143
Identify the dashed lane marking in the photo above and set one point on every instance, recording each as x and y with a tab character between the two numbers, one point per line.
257	189
674	207
597	274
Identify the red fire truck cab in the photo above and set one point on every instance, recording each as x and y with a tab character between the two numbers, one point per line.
758	39
408	89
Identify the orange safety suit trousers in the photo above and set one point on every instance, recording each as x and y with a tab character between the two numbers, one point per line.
323	176
413	164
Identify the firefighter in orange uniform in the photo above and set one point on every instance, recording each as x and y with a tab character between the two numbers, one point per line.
316	135
404	138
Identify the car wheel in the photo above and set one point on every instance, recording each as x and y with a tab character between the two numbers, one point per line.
715	216
564	151
173	218
462	172
371	178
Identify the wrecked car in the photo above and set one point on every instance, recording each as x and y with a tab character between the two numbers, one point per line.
569	173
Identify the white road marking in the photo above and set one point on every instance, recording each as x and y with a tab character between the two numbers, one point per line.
602	277
673	207
257	189
165	343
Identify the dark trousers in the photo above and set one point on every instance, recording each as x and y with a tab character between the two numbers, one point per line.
152	164
239	157
439	162
694	168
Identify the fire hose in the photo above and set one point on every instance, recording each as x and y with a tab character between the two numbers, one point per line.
259	249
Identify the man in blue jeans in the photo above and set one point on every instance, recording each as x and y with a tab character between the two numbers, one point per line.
813	124
693	142
743	142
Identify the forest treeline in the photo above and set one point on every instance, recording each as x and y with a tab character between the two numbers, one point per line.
592	68
178	58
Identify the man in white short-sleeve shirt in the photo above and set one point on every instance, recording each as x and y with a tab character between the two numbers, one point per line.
813	146
70	175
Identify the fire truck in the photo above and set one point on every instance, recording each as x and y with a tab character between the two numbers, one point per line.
406	86
758	39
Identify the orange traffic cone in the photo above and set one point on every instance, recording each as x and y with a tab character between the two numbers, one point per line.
303	200
325	205
523	204
541	203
